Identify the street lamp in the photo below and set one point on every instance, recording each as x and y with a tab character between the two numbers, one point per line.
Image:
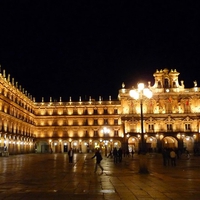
139	94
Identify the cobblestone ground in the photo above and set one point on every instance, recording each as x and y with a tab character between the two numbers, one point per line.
51	176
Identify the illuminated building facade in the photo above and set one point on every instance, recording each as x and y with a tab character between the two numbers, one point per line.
171	119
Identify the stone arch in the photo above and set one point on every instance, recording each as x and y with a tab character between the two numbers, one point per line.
151	143
169	142
133	143
188	143
43	146
117	144
75	145
166	82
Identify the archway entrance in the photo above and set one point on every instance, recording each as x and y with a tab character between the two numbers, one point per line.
151	144
188	143
133	144
169	142
43	147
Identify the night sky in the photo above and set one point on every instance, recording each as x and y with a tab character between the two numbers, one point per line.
88	48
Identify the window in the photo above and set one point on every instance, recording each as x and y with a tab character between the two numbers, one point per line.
116	121
169	127
75	122
159	84
95	111
105	121
166	83
95	133
151	127
105	111
115	111
95	122
187	127
115	132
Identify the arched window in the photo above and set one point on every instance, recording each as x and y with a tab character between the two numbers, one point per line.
166	83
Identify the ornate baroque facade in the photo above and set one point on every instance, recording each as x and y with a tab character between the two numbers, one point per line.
171	119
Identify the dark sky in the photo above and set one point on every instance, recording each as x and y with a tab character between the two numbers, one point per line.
88	48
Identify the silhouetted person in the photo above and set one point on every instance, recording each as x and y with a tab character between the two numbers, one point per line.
115	155
110	154
132	153
127	153
98	160
173	157
70	154
120	154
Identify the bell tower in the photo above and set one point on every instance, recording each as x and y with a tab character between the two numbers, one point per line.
166	79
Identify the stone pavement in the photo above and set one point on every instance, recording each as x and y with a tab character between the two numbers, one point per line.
51	176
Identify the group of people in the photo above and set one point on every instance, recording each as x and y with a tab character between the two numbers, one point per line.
169	156
117	154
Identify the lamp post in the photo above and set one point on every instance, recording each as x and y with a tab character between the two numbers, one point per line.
139	94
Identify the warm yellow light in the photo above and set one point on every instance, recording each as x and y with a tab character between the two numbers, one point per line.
106	130
147	93
140	86
134	94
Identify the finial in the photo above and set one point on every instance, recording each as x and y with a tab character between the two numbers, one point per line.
60	99
50	99
99	98
42	99
8	77
195	83
80	98
89	98
4	73
123	85
109	98
13	81
70	99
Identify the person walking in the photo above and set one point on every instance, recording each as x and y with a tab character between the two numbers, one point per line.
98	160
71	154
115	155
173	157
165	157
120	154
132	152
